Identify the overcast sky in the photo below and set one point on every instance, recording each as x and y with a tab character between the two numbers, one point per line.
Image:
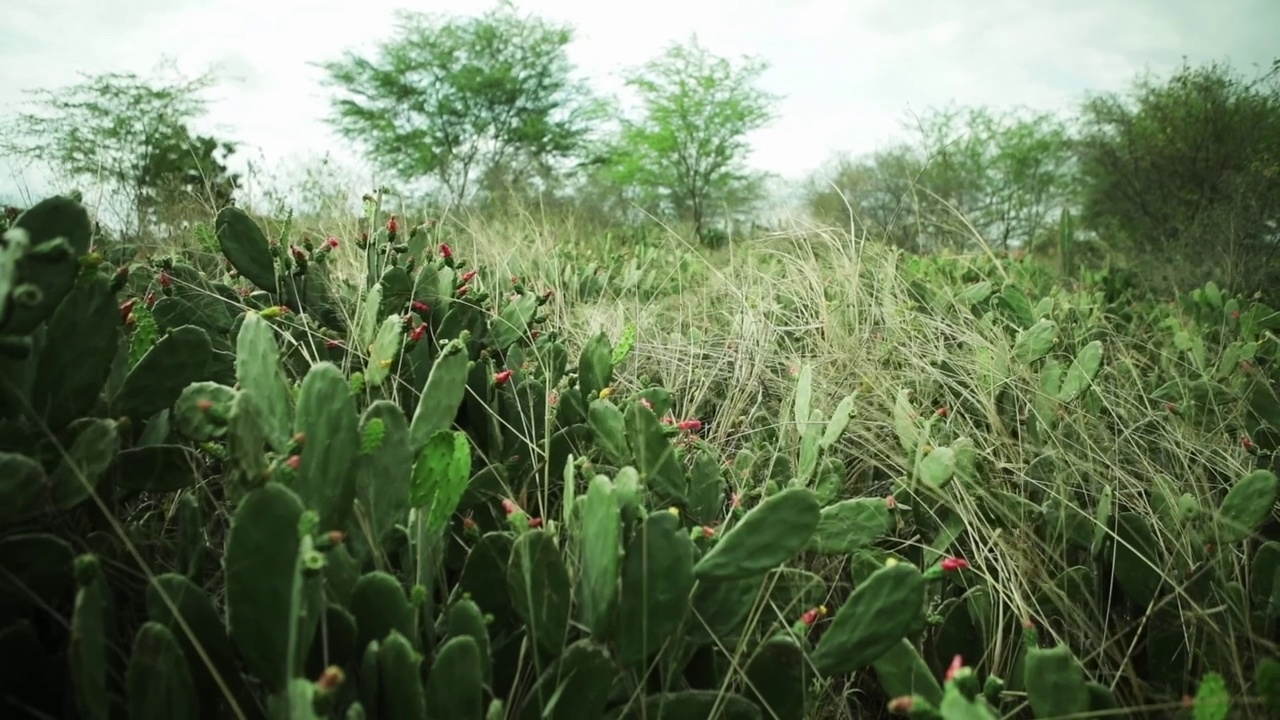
850	71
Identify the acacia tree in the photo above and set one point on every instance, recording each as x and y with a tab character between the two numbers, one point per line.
687	149
126	133
457	100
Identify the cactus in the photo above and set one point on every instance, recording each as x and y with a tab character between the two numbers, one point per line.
441	395
245	247
258	373
69	376
159	680
541	590
379	605
1035	342
902	671
455	686
326	426
400	693
179	605
879	613
1246	506
654	455
384	350
24	488
1055	683
595	367
1081	373
265	584
657	578
155	383
767	536
382	475
88	651
849	525
598	557
775	678
575	686
609	430
464	619
42	250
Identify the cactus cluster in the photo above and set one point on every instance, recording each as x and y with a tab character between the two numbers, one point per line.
436	513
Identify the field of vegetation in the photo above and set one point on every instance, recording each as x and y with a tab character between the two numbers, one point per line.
991	432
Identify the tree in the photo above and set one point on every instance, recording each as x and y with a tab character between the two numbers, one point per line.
1184	174
689	145
1007	174
119	130
457	100
181	168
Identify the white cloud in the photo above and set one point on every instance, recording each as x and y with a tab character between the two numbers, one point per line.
849	71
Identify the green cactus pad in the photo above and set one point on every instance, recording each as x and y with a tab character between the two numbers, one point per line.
245	247
595	367
23	486
484	575
259	373
91	453
1036	341
384	350
1055	682
87	654
706	489
657	579
721	608
879	613
655	456
172	596
455	686
513	321
902	671
69	376
1081	373
599	558
383	473
203	409
56	219
938	467
575	686
155	383
326	418
465	619
440	477
770	534
441	396
158	681
850	525
540	589
608	427
1246	506
400	695
776	678
264	583
379	605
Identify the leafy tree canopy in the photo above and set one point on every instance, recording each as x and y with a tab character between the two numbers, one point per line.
458	99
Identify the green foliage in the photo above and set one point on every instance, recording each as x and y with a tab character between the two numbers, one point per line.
459	99
132	134
688	145
1006	173
1183	172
